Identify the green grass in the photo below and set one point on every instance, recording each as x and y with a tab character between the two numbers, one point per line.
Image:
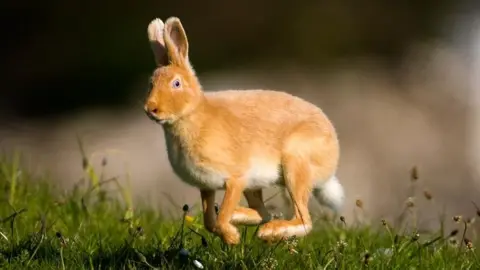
89	228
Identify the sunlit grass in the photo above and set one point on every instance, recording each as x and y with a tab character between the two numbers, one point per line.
88	228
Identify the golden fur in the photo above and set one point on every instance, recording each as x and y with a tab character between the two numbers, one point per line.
240	141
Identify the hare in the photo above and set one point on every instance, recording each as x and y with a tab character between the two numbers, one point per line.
240	141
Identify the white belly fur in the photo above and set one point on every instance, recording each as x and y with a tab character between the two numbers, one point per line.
260	174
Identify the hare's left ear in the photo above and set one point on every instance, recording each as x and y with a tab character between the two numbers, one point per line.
155	37
176	41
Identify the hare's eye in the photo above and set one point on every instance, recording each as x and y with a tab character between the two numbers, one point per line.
176	83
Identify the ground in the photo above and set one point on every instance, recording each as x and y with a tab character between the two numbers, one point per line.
90	228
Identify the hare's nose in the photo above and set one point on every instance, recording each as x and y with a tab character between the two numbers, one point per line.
151	108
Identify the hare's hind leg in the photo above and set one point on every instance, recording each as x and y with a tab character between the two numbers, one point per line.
208	207
255	214
298	183
310	152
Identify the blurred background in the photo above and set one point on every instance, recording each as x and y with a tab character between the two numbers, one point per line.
400	81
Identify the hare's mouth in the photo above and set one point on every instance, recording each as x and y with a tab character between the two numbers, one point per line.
155	118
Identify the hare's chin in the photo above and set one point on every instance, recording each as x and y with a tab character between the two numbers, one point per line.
160	121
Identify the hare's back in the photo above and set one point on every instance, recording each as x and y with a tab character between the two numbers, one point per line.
265	105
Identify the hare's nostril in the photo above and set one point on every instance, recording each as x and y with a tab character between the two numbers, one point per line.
154	110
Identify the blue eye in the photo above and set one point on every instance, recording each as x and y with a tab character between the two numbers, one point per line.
176	83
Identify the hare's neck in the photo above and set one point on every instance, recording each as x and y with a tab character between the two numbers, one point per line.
187	128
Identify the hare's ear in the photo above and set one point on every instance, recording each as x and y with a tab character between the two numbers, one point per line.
155	36
176	41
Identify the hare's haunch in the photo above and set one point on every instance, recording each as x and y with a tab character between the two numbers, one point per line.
240	141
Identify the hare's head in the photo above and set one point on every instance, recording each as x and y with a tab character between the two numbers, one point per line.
174	88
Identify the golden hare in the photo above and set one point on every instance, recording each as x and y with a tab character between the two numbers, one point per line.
240	141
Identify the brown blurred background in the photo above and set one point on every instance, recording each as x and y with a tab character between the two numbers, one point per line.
398	80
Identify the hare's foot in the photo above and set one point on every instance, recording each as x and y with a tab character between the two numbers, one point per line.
248	216
255	214
228	233
281	229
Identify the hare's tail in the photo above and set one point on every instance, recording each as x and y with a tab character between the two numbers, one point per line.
330	194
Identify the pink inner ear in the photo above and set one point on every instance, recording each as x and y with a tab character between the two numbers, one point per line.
159	36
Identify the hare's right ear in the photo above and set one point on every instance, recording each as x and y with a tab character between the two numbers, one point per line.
157	43
176	42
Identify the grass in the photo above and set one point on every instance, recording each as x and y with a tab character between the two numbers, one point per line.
89	228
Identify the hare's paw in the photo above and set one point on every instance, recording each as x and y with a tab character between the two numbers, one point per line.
228	233
276	230
248	216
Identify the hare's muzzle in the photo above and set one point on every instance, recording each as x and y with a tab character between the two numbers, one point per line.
151	113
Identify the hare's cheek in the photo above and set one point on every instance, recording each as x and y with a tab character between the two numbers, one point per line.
175	103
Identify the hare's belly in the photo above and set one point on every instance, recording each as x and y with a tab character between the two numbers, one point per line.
198	176
261	173
256	176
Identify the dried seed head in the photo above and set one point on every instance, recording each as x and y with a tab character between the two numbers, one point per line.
359	203
342	219
453	233
63	241
416	237
204	242
427	195
470	221
468	243
269	263
104	162
414	174
185	208
384	222
292	243
341	245
457	218
410	202
453	242
367	258
84	163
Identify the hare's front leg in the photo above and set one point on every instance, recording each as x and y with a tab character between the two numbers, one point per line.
226	230
255	214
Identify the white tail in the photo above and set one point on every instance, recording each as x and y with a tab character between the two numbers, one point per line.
330	194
